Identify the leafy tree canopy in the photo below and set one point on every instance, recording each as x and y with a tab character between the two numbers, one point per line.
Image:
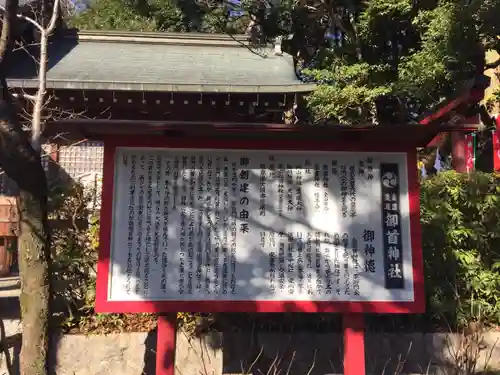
372	59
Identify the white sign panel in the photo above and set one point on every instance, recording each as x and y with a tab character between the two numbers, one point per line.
236	225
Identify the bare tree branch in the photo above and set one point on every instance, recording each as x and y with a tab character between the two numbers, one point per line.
25	49
38	98
24	96
36	125
53	19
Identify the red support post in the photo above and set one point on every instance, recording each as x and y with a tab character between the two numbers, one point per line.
165	344
354	344
495	140
458	151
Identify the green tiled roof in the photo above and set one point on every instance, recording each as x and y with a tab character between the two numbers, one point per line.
160	62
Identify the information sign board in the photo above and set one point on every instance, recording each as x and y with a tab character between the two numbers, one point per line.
240	229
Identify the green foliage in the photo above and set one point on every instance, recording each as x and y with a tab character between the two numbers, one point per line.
113	15
75	240
166	17
432	50
423	52
74	244
461	244
347	93
156	15
449	51
493	102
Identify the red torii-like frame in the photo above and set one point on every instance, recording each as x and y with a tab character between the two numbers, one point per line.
454	113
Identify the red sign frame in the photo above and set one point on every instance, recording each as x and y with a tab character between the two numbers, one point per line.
105	306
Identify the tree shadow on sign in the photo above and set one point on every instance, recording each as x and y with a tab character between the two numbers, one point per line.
252	284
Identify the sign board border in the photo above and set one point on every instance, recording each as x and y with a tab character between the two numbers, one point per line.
103	268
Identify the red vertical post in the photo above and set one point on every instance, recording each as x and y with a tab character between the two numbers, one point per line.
354	344
459	157
495	139
165	344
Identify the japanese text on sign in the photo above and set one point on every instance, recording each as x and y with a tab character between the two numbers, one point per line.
228	225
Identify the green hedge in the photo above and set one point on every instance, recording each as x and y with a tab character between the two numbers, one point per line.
461	244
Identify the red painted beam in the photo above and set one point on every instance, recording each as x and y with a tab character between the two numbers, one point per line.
474	95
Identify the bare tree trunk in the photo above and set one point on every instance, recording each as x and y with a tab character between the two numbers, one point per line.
22	163
34	266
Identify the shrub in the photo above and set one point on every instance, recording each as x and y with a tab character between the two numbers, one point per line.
75	240
74	248
461	237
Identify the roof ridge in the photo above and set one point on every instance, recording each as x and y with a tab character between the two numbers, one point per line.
187	39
